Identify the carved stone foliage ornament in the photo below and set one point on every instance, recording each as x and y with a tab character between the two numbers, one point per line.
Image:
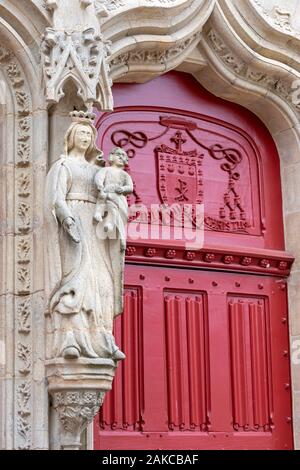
52	5
277	16
283	87
80	57
23	246
152	57
23	419
115	4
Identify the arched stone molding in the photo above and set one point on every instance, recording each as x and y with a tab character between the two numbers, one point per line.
151	37
279	115
22	168
26	19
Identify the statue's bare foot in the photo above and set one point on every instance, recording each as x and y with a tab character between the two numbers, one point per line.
71	353
118	355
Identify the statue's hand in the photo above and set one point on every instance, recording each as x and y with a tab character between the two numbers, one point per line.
102	194
119	190
70	227
111	188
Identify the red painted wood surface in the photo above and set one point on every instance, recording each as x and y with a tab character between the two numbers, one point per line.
207	364
204	331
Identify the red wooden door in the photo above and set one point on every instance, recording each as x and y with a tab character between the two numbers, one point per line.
205	327
199	372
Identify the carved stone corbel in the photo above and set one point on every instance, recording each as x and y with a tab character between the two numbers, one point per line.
77	390
75	410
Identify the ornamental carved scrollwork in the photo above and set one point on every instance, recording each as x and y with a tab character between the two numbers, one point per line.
180	172
135	140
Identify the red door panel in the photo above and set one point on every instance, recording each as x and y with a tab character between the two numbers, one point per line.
186	360
204	377
122	407
250	363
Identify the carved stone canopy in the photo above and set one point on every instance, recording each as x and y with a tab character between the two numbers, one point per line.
80	57
73	49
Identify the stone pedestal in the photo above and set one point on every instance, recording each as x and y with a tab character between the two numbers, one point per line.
77	389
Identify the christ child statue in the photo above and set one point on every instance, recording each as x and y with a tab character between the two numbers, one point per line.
113	184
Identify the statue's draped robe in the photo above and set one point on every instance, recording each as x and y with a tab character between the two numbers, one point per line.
84	280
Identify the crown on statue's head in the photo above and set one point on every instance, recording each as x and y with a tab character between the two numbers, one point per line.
83	116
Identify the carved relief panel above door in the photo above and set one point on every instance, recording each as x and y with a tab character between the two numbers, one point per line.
184	155
191	162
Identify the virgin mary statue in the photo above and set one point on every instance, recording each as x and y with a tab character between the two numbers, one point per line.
84	277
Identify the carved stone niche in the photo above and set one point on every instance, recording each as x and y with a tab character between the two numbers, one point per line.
77	390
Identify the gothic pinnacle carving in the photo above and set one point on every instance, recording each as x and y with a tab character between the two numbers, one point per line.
74	50
81	58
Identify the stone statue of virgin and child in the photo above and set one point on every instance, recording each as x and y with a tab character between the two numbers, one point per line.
86	213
